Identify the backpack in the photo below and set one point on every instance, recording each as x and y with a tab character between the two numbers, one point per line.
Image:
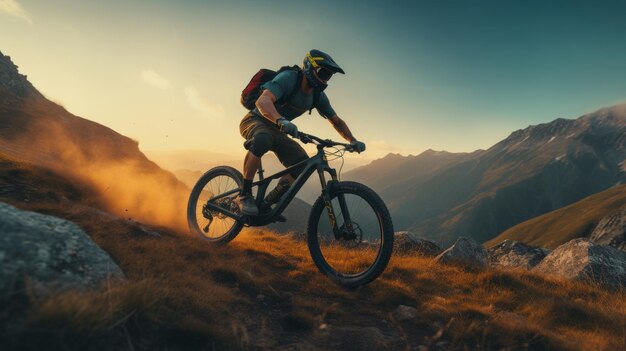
253	90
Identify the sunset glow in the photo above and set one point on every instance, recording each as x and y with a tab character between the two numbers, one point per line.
169	74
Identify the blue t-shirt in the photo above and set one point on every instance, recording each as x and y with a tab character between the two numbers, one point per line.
301	102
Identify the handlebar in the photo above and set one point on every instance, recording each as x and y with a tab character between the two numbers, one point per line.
308	138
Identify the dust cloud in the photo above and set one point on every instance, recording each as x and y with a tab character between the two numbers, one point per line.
127	183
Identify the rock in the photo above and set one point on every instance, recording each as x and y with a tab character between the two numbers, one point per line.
404	313
465	252
611	230
582	260
52	253
359	338
407	243
513	254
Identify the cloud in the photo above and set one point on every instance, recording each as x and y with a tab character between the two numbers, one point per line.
201	104
155	79
13	8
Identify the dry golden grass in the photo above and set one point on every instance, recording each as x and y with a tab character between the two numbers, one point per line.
489	310
574	221
263	291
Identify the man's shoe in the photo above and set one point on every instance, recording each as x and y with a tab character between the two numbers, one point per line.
247	205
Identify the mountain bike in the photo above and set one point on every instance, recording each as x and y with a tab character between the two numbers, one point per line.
349	232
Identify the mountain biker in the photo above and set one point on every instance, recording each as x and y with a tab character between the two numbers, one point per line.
266	127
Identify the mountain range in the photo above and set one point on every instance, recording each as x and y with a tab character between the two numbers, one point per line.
442	196
437	194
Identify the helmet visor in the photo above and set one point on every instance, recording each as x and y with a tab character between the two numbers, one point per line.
324	73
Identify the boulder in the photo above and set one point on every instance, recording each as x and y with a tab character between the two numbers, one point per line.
465	252
513	254
52	254
407	243
611	230
582	260
404	313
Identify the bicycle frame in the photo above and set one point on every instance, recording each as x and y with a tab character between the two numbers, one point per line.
318	163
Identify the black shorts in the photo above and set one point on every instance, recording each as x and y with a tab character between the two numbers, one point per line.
288	151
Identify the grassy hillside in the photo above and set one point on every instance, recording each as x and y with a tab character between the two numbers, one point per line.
37	130
574	221
262	291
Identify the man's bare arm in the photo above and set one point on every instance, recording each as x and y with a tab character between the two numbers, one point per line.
342	128
265	104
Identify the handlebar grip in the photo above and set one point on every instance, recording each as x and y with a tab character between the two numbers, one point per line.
305	138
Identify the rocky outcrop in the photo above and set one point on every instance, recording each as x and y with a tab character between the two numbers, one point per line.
12	81
513	254
611	230
465	252
50	253
407	243
582	260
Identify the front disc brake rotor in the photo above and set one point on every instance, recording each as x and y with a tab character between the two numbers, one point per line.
351	236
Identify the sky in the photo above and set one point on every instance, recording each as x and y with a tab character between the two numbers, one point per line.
445	75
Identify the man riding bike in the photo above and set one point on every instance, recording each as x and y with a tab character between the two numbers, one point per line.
266	126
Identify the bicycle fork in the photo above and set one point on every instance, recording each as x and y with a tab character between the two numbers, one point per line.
326	193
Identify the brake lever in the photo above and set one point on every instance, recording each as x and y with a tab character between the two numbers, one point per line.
350	148
305	139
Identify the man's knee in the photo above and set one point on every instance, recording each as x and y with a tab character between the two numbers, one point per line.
261	143
293	159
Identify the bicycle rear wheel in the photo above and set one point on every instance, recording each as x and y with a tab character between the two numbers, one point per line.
359	250
214	225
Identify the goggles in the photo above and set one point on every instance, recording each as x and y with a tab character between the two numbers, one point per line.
324	73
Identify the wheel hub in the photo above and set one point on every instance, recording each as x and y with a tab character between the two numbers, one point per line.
351	234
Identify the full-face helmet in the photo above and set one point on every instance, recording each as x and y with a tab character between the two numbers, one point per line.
318	67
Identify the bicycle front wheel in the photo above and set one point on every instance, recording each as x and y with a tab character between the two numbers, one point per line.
354	248
203	220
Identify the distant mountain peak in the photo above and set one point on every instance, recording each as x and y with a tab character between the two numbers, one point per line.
434	152
12	81
392	155
543	130
610	117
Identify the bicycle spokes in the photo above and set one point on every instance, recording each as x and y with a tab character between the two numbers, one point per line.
211	221
353	246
